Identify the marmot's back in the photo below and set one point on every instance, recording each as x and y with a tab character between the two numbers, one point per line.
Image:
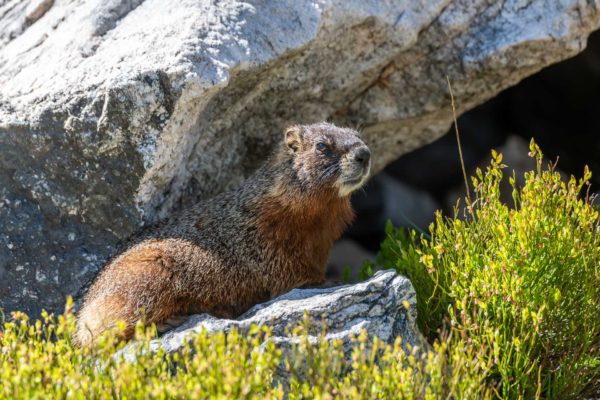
239	248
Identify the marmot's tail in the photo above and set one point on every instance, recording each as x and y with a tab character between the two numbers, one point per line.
137	286
94	319
87	328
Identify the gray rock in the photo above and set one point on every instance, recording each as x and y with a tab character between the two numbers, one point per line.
406	205
375	305
115	113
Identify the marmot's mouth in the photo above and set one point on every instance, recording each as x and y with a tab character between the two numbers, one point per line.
347	185
353	181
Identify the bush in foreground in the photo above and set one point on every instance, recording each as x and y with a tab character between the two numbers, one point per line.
509	298
521	283
38	361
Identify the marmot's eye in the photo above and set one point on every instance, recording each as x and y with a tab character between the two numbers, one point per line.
323	148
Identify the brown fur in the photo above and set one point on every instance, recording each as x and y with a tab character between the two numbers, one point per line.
240	248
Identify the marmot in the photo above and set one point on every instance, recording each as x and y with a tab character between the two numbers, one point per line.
239	248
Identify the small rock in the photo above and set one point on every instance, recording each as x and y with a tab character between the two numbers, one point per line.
375	305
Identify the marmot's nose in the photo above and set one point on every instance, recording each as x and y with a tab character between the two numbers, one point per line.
362	155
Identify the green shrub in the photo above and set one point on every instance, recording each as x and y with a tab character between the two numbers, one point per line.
522	283
38	361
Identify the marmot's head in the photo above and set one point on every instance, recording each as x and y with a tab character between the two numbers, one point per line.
324	155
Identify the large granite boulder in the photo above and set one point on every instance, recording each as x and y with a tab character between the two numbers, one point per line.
115	113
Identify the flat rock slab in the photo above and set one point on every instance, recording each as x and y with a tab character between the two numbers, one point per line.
114	113
376	305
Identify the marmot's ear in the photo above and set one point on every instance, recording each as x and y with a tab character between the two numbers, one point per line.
293	138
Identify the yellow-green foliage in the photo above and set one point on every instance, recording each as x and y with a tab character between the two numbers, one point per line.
521	283
38	361
514	293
